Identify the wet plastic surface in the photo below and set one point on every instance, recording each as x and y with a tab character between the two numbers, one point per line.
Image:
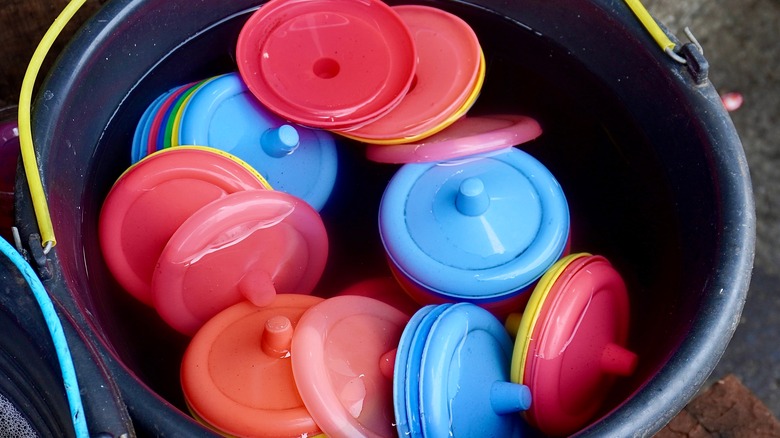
641	180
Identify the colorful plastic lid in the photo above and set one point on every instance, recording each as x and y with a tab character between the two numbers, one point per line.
327	64
479	229
248	245
447	73
237	371
385	289
343	355
458	361
141	135
570	343
465	137
160	118
406	375
183	102
294	159
149	202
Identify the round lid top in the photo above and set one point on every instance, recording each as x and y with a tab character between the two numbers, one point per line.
237	371
447	71
343	356
464	376
294	159
248	245
477	228
570	342
465	137
327	64
153	197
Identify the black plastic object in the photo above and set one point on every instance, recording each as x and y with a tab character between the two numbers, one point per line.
649	160
30	376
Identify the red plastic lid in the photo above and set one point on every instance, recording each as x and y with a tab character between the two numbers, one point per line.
467	136
343	356
385	289
327	63
237	371
571	342
248	245
153	197
449	62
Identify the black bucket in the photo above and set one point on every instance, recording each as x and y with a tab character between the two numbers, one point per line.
649	160
33	399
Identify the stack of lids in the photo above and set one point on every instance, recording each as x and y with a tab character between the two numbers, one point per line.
220	112
452	375
363	69
193	230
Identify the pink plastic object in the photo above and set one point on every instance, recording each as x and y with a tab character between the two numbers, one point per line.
385	289
327	63
449	60
467	136
343	356
248	245
237	371
151	199
576	349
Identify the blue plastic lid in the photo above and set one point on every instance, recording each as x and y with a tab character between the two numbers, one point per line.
465	389
300	161
406	376
476	229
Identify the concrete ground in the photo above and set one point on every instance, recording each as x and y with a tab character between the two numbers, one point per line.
741	40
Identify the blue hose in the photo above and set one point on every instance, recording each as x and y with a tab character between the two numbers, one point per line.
60	343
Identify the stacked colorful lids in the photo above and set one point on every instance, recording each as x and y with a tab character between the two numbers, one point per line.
570	343
193	230
367	71
481	229
452	375
220	112
295	367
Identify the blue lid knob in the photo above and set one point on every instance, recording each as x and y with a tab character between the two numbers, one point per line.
472	199
509	398
281	141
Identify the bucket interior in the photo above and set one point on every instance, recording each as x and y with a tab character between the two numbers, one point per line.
640	187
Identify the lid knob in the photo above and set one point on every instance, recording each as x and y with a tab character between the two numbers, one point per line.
257	287
508	398
277	337
618	360
387	363
472	199
281	141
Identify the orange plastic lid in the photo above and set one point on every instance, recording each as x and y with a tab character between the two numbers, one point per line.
153	197
248	245
237	371
343	353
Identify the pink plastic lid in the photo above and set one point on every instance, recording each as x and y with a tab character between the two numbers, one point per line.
449	62
237	371
327	63
248	245
467	136
574	343
156	195
385	289
343	356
